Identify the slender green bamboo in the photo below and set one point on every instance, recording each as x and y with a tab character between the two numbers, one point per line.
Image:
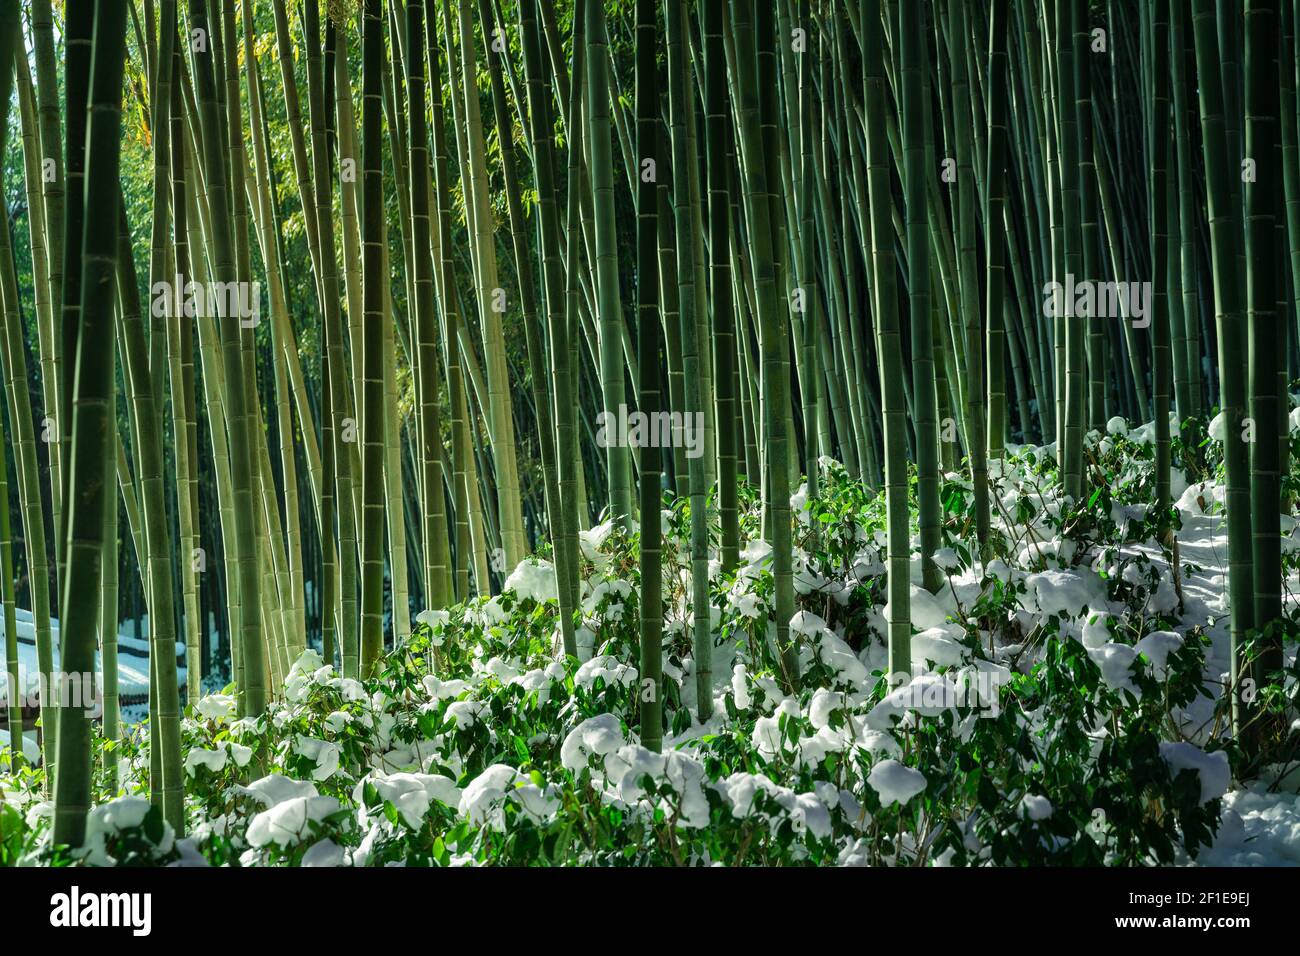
1187	355
692	353
225	268
108	623
248	422
1075	325
976	413
53	191
724	322
43	292
490	295
394	490
533	327
566	399
340	429
649	349
78	26
79	604
756	116
1289	105
995	241
801	210
18	397
914	64
373	283
14	690
180	348
147	434
1267	345
288	370
1224	217
608	297
464	490
884	314
1091	326
1182	286
1160	351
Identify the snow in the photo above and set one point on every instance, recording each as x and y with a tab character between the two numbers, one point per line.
276	788
1116	664
1035	806
1218	425
443	689
324	853
214	760
1096	630
1211	768
113	818
592	539
483	800
767	736
1258	829
740	687
465	713
533	579
596	736
436	620
289	821
218	707
935	645
927	612
895	783
1156	647
132	659
322	752
118	815
411	793
948	560
605	668
1066	592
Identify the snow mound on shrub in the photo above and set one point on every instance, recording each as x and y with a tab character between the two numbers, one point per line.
533	578
895	783
1211	768
289	822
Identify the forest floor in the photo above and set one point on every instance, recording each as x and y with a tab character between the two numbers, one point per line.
1260	824
1066	706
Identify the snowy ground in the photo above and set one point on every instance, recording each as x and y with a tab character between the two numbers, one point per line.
132	667
132	655
1259	828
1261	821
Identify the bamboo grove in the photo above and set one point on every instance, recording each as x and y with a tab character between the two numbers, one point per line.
477	231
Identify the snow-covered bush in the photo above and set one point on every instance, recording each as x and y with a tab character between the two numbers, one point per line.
1063	706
